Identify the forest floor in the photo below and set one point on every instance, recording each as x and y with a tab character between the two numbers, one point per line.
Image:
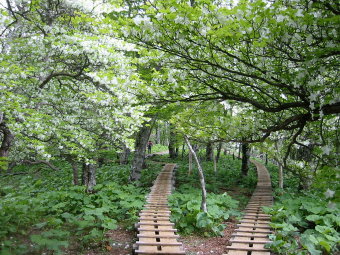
121	242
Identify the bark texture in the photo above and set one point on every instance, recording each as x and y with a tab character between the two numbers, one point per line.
219	148
280	176
201	176
75	171
124	156
209	152
89	177
245	159
142	139
190	163
7	139
172	143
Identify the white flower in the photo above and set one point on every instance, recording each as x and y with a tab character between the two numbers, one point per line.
159	16
313	96
299	13
329	193
309	39
138	20
280	18
326	150
178	20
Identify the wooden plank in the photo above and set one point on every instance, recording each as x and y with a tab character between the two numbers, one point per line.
139	243
157	236
156	232
251	242
250	235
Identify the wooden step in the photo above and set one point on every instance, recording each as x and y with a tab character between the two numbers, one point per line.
251	242
159	252
157	236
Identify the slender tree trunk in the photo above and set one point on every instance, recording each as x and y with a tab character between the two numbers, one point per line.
183	150
245	159
140	147
75	171
158	133
172	142
7	139
91	178
266	159
239	150
280	176
124	155
219	148
201	176
165	135
190	163
84	175
215	164
209	152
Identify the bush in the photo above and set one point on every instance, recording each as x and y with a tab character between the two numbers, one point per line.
43	213
305	223
186	213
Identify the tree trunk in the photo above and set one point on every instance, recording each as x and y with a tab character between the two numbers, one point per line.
84	175
239	150
164	136
280	176
190	163
201	176
215	164
245	159
183	150
219	148
7	139
140	147
158	133
172	143
266	159
124	155
75	171
209	152
91	178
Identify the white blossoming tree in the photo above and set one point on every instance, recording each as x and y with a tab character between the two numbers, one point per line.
279	59
67	86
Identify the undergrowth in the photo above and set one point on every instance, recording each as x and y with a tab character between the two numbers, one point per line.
186	201
43	212
304	222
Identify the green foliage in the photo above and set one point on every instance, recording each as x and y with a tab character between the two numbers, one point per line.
159	148
186	214
53	214
185	203
291	181
305	223
228	175
149	174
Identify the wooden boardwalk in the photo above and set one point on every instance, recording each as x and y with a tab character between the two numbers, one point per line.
252	232
156	234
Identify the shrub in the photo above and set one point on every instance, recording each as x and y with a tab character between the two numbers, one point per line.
186	213
305	223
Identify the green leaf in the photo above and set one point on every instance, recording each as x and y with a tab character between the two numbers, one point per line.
326	245
110	224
